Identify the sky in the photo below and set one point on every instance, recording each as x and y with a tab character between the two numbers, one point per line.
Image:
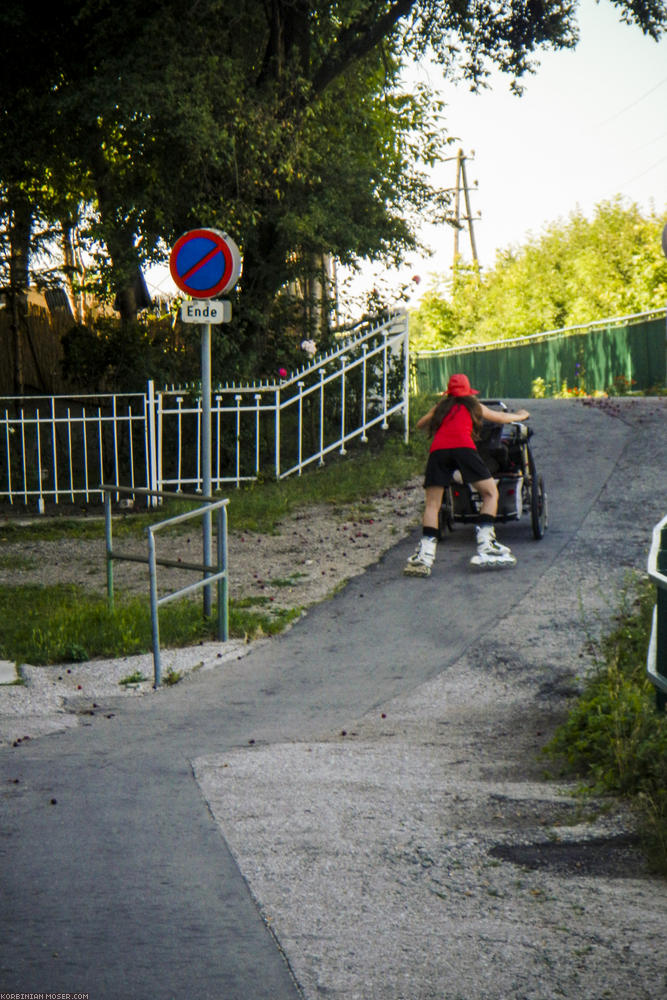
591	124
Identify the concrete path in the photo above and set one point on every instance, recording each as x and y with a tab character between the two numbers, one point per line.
117	880
7	672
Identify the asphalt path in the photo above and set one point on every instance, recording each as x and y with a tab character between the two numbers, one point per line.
117	881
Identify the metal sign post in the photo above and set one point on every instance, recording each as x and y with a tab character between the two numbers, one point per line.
207	530
205	263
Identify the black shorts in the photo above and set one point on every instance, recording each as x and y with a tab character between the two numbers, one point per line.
443	463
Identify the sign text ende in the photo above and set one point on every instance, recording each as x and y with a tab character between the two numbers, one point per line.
206	311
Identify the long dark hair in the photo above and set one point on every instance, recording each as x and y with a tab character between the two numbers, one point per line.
447	403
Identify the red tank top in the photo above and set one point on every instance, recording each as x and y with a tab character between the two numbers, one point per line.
455	431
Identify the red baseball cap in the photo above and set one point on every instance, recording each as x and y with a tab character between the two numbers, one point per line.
459	385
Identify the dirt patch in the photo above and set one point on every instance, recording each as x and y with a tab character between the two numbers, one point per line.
613	857
312	554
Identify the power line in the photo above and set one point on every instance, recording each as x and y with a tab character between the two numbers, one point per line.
647	171
628	107
650	142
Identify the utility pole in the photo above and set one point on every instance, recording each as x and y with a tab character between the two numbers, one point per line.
459	220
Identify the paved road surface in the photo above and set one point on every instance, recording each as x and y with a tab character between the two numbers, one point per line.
117	880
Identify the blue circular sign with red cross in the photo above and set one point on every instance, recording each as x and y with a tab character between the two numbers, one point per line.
205	263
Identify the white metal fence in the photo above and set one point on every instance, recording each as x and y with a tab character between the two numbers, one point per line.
59	449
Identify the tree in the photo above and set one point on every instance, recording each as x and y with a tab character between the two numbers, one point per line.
281	122
577	271
36	180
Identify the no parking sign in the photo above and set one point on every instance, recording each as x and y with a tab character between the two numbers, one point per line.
205	263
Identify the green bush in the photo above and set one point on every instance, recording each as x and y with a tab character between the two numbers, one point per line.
613	736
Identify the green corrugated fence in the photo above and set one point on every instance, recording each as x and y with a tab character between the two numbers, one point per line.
592	358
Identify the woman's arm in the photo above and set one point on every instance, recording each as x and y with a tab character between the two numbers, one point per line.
500	417
424	421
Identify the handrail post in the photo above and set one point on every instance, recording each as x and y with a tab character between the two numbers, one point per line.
385	362
364	349
153	477
661	623
258	406
661	646
155	622
406	379
322	417
656	661
223	583
109	548
343	365
276	443
300	386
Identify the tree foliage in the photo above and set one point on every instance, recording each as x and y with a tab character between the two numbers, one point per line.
577	271
282	122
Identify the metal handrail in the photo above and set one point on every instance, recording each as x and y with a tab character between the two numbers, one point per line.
216	573
656	660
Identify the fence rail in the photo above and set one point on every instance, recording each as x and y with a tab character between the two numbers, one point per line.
59	449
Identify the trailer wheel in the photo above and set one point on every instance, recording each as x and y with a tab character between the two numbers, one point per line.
446	520
538	501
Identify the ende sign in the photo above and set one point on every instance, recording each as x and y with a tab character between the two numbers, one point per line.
209	311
